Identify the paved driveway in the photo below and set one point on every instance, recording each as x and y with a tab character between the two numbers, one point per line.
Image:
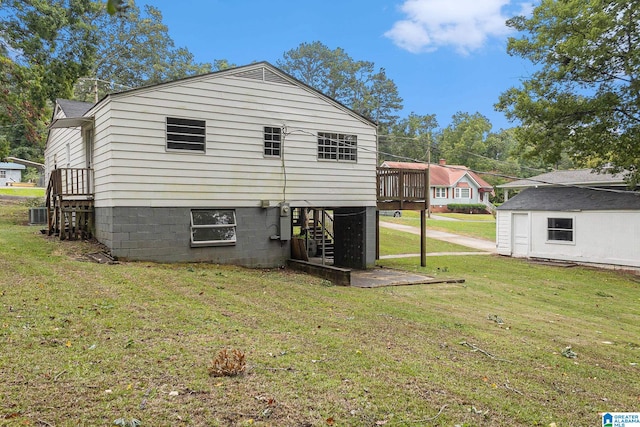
470	242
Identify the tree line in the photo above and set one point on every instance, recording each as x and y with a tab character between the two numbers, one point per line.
579	109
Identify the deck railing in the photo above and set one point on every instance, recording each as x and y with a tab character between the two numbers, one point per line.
402	184
70	183
70	203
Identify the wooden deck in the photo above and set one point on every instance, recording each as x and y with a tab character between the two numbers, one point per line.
69	201
402	189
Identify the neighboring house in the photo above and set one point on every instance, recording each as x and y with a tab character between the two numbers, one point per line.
214	167
450	184
31	164
10	172
576	216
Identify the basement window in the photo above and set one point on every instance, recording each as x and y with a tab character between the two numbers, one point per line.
337	146
560	229
213	227
272	141
186	134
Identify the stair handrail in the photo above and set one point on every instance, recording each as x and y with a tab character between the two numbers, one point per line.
330	217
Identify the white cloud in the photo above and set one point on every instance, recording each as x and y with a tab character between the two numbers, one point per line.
465	25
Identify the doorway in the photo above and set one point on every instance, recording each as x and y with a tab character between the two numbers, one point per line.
520	234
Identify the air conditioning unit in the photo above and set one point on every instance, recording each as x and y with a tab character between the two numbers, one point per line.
37	216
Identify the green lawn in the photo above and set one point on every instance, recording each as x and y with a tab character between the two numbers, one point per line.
480	226
22	191
398	242
85	344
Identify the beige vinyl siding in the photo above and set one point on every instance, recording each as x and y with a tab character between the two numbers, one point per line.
56	149
101	149
233	171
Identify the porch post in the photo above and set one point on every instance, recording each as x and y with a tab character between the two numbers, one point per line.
423	237
377	234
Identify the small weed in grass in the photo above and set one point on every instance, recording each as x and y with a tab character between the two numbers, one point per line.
228	363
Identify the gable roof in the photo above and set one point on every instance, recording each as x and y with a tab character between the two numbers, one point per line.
74	114
74	108
442	176
262	71
572	199
567	177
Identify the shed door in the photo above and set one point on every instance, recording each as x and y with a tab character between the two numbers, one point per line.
520	235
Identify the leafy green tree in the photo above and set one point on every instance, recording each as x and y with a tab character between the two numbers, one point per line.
222	64
46	46
464	141
468	141
584	98
116	6
353	83
4	148
135	49
55	39
410	139
377	98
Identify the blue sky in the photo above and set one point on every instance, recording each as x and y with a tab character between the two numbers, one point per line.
444	55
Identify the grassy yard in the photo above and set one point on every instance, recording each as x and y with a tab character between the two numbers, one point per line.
479	225
86	344
398	242
22	191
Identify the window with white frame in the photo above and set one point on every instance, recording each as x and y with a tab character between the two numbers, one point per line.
272	141
463	193
213	227
560	229
186	134
337	146
440	193
3	174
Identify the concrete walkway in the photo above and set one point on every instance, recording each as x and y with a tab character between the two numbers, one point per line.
486	246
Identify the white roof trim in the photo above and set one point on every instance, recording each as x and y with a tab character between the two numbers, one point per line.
71	122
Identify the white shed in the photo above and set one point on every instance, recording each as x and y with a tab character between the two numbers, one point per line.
210	168
574	222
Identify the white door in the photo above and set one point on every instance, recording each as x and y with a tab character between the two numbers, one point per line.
520	235
88	147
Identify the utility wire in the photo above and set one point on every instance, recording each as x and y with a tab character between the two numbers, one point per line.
499	175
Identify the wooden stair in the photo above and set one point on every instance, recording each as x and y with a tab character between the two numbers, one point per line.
322	236
69	201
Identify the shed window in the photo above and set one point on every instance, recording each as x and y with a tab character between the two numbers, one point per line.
440	193
3	174
186	134
560	229
213	227
272	141
463	193
337	146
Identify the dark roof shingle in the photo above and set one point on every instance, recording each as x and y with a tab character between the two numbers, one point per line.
74	108
567	177
572	199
